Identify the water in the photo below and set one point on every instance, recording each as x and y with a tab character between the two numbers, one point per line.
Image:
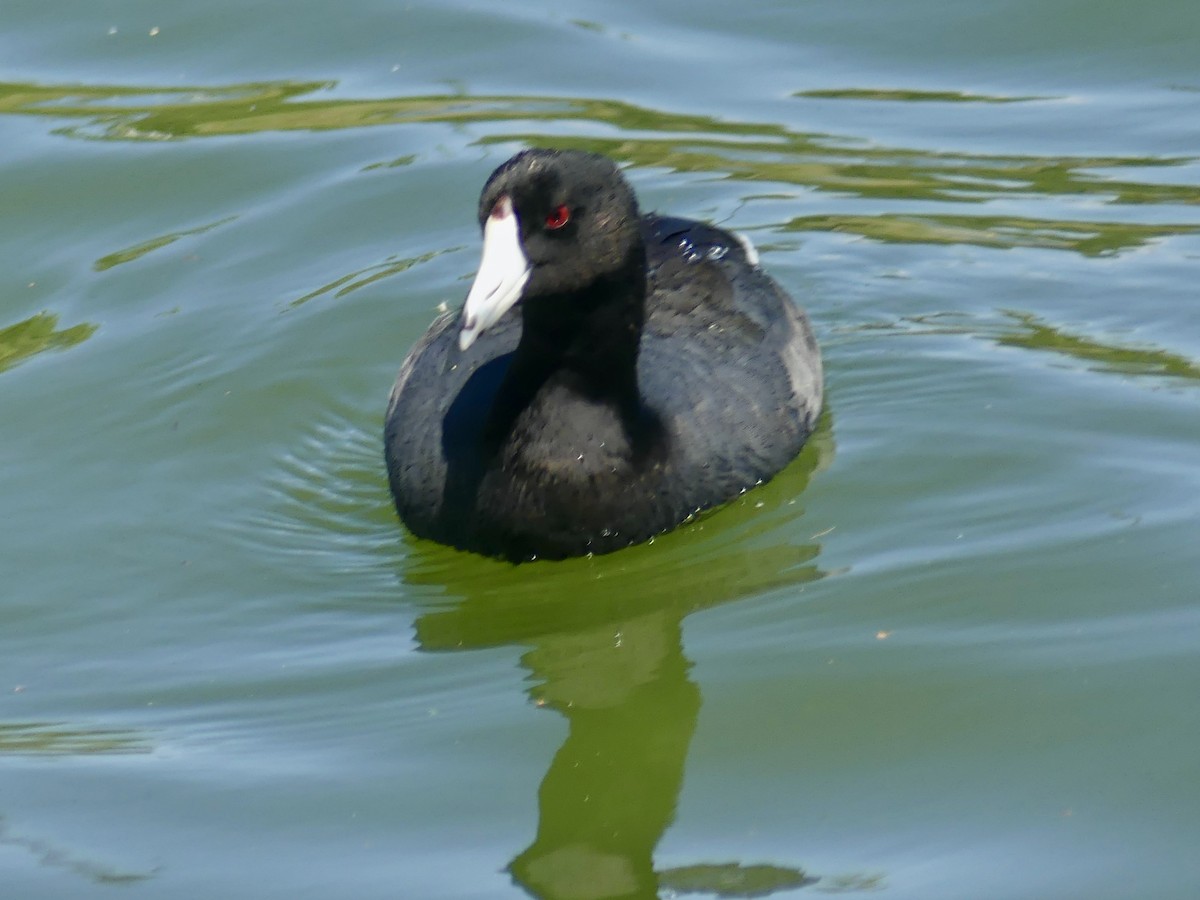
950	652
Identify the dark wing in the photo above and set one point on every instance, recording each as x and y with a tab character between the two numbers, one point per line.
727	360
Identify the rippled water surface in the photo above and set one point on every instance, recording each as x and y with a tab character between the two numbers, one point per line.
951	652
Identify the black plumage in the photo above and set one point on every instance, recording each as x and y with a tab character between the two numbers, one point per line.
647	369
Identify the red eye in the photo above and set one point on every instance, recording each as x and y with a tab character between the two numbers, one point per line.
558	217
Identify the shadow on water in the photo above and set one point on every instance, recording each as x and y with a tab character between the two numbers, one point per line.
47	739
57	857
602	639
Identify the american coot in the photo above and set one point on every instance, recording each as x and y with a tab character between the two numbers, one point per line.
610	375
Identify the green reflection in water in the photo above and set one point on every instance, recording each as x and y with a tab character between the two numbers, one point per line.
1035	334
398	163
744	151
817	162
1087	238
36	334
910	96
139	250
342	286
603	640
1028	332
52	739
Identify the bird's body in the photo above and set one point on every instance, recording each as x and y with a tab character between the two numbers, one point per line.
589	416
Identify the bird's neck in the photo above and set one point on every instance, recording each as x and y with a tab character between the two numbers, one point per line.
587	339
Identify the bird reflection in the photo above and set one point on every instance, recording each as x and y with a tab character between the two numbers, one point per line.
610	792
604	641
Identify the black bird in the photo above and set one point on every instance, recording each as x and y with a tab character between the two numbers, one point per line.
610	375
